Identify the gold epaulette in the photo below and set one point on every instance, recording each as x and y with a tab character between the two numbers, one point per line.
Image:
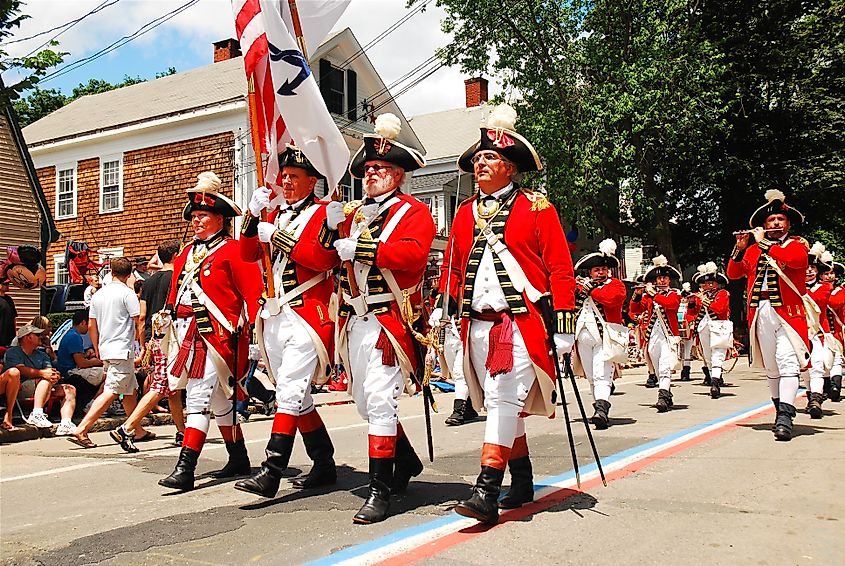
350	206
802	241
538	200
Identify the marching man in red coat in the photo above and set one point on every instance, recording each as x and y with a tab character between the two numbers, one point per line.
712	323
599	301
508	249
387	238
295	332
836	319
659	303
775	266
821	351
211	287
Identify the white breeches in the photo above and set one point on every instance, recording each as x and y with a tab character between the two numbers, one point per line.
453	351
375	386
662	356
291	354
206	394
597	369
505	394
779	357
813	377
714	358
686	351
836	369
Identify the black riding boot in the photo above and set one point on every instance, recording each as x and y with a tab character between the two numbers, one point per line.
715	387
835	388
664	401
408	465
376	506
776	403
651	382
814	405
482	505
783	423
238	464
706	371
601	419
462	413
266	482
522	484
685	371
320	449
182	477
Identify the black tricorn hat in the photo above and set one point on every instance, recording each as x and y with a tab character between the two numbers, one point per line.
709	272
660	266
775	204
838	269
605	257
820	257
499	135
382	146
293	157
206	196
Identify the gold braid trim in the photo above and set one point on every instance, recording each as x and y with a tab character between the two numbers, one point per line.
538	200
565	322
283	241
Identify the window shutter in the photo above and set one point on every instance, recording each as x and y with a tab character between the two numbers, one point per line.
325	82
351	94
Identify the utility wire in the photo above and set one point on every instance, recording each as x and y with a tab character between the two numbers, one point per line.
105	4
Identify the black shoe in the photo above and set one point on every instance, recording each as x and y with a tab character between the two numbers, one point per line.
377	504
612	388
179	438
238	464
651	382
522	484
483	506
783	423
814	405
600	418
835	388
266	481
706	371
408	465
462	413
182	477
715	388
319	447
685	371
126	440
776	403
664	401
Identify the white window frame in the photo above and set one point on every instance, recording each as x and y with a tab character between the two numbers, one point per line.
109	159
59	267
109	253
67	167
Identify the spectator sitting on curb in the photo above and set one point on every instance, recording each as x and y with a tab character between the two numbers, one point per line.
114	323
78	368
44	323
38	378
10	383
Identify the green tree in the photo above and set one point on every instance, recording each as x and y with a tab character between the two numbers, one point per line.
31	67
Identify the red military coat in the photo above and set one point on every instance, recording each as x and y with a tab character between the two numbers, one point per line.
310	259
791	256
535	237
229	282
405	254
719	307
820	292
669	301
611	297
837	307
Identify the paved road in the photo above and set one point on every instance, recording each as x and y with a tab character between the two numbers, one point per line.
703	484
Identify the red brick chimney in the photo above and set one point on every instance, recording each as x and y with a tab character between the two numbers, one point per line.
226	49
476	91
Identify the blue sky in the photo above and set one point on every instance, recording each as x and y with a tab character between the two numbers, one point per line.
184	42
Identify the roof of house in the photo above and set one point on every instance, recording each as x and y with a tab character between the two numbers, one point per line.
221	82
448	133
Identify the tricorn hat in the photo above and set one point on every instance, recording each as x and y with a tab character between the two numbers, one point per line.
775	204
382	146
498	134
206	196
660	266
838	269
709	272
292	156
820	257
605	257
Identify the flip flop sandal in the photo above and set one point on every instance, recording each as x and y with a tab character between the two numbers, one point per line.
82	441
147	437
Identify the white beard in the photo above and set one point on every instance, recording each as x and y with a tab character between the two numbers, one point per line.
381	186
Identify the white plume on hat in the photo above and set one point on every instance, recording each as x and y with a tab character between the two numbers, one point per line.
827	257
607	247
686	286
817	249
502	117
388	126
774	194
660	261
208	182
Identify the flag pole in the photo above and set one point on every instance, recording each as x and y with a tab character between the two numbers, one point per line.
270	286
297	27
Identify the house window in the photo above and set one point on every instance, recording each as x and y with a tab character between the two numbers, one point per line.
60	274
66	192
339	88
111	185
431	203
105	256
351	188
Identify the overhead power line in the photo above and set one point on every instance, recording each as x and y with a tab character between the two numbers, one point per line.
67	25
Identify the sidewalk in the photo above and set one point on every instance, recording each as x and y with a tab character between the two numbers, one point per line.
29	432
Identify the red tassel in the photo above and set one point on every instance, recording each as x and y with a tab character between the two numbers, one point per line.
192	338
198	363
388	354
500	354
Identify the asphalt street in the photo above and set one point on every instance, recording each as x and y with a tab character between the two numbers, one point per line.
703	484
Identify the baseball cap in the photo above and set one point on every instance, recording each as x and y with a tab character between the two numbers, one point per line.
28	329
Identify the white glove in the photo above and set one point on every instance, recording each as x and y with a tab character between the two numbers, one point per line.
259	201
346	248
334	214
254	352
436	315
564	343
265	231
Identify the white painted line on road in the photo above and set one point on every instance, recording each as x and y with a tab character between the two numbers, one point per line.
57	471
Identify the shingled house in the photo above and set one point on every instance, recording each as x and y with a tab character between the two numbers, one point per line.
115	166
